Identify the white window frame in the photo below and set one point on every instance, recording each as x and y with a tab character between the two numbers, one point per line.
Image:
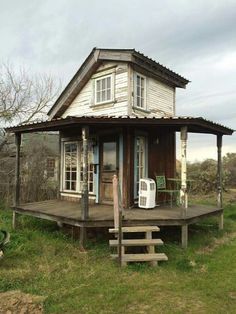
64	167
79	164
144	107
145	162
112	89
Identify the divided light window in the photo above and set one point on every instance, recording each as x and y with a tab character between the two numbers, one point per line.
70	169
140	161
103	89
140	91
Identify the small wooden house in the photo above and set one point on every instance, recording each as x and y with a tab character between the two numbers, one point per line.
117	116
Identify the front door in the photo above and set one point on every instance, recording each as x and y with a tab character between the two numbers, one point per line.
108	167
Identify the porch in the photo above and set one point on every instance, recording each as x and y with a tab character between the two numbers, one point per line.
121	137
67	212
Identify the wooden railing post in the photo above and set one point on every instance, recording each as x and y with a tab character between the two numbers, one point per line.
17	178
219	179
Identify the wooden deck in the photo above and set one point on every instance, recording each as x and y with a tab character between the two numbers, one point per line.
102	215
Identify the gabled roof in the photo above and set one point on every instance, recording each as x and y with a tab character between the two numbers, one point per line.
95	59
194	125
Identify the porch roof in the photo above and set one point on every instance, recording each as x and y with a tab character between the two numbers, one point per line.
194	124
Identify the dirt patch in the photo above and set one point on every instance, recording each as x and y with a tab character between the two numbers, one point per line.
217	242
16	302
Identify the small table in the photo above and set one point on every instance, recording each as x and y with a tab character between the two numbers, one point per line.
177	183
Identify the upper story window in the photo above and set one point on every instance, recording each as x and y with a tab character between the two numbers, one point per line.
103	89
140	91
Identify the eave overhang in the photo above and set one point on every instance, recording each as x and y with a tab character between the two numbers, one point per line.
194	125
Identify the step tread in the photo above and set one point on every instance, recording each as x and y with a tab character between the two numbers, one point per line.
142	257
136	242
136	229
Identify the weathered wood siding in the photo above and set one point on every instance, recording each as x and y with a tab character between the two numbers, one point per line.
160	97
83	104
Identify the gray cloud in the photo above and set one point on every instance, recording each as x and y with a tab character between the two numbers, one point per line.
195	38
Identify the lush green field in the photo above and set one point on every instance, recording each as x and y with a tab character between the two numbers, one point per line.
202	279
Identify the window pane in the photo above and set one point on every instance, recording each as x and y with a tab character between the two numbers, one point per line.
98	85
73	185
138	80
109	156
71	161
108	94
73	177
98	96
103	89
108	82
138	91
140	161
138	102
67	147
103	95
103	84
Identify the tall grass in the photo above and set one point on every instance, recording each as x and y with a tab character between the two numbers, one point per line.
42	260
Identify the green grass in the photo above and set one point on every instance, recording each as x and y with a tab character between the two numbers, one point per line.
202	279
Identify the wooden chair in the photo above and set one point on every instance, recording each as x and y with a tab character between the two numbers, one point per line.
161	188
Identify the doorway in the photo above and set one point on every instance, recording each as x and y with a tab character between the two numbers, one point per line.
109	166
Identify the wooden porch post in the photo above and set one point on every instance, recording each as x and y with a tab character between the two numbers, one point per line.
17	178
219	179
183	190
59	169
85	194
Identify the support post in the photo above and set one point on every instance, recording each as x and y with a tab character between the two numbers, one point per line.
219	180
85	194
184	236
118	218
17	178
183	190
59	169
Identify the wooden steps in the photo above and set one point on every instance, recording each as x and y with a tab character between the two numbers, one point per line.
136	242
136	229
146	241
142	257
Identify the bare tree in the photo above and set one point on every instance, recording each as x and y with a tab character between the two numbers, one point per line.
24	97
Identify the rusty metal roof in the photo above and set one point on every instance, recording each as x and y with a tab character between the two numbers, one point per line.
194	124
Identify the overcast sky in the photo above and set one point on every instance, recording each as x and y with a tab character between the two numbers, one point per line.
196	39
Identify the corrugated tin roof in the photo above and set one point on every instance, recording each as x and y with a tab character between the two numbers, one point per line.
138	53
206	126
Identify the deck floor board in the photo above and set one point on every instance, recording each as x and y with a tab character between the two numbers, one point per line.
102	215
